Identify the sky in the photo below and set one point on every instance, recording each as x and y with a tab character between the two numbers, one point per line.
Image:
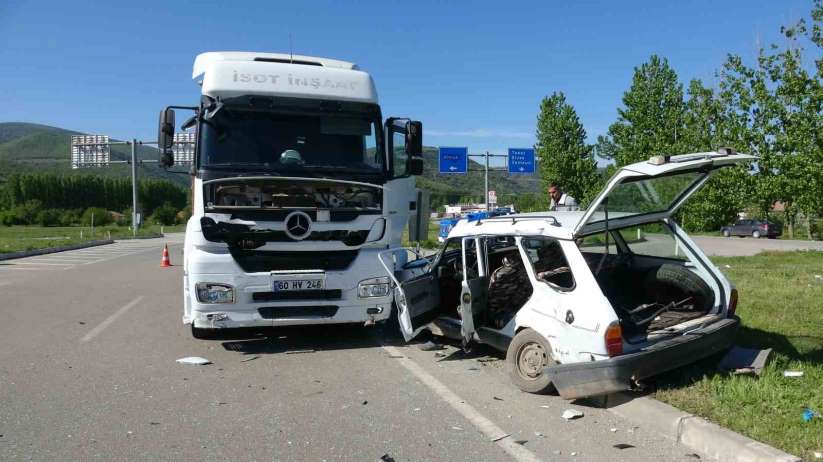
473	72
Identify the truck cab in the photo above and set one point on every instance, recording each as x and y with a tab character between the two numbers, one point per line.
297	183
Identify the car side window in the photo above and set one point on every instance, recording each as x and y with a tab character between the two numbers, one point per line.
549	262
400	159
653	240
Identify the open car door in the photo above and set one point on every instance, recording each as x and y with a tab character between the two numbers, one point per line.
416	299
653	190
474	286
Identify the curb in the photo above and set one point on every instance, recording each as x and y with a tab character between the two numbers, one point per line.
706	438
32	253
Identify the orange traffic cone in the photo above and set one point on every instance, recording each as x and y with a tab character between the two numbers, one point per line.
165	262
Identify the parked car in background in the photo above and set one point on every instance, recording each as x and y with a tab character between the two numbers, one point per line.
753	228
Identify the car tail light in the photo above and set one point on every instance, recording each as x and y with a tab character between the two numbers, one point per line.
732	302
614	339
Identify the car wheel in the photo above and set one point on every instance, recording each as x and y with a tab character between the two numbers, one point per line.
726	233
526	359
202	334
756	234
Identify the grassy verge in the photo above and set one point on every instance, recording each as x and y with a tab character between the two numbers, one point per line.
17	238
781	306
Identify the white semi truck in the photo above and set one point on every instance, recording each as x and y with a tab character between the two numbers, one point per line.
298	184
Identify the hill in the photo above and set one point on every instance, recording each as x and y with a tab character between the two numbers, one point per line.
27	147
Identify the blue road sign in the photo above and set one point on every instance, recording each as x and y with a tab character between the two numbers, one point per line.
453	160
521	160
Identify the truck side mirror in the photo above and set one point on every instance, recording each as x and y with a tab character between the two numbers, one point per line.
414	138
165	131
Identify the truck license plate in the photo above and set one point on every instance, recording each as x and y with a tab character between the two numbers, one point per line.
283	285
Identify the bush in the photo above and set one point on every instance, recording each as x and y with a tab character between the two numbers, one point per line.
101	217
125	220
6	217
26	213
70	217
164	215
49	217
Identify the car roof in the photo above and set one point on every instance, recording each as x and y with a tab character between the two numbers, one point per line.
559	225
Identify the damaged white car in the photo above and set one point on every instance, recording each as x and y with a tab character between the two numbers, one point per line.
586	303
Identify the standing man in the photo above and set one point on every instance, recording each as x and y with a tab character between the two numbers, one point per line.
560	201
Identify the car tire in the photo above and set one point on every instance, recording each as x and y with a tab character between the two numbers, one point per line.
526	359
756	234
202	334
676	277
726	233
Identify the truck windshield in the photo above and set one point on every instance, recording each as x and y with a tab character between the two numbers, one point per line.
291	144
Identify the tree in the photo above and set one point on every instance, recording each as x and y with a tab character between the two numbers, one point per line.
565	158
651	118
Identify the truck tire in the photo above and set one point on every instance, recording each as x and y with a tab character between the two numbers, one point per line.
526	359
674	283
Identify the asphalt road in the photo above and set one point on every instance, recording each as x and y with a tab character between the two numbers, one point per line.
88	346
747	246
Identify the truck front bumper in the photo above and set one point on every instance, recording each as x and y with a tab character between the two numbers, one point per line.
578	380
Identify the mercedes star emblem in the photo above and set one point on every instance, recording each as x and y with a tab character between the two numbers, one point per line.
298	225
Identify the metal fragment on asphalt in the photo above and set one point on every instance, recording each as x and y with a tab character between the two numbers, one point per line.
622	446
498	438
295	352
431	346
457	428
250	358
196	360
570	414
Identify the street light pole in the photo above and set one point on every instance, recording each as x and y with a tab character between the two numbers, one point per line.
486	200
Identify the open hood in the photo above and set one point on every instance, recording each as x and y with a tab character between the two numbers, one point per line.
652	190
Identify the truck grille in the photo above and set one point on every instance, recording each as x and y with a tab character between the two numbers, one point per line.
260	261
330	294
288	312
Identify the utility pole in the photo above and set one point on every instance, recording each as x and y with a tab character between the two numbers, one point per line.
486	189
134	214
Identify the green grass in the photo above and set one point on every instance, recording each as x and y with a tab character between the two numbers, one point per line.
781	306
16	238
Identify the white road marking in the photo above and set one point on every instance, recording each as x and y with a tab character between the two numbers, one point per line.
99	328
482	423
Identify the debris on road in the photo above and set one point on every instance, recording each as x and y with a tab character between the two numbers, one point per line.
521	442
154	423
622	446
416	409
386	458
457	428
196	360
574	454
487	360
693	456
297	352
544	406
250	358
744	360
396	356
557	452
571	414
792	373
613	430
498	438
496	398
431	346
438	354
539	435
365	402
82	323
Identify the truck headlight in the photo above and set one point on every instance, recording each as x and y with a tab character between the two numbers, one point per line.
374	287
210	292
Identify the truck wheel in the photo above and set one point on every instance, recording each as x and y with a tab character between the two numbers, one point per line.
726	233
526	360
202	334
756	234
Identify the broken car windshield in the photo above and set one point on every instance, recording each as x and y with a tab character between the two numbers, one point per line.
290	143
